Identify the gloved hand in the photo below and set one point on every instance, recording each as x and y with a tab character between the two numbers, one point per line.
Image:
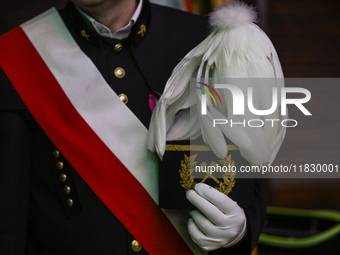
218	222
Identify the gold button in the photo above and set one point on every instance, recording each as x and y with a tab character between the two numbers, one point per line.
69	202
136	246
119	72
56	153
60	165
124	98
67	190
63	177
118	47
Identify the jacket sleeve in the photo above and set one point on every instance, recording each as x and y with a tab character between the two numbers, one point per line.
15	140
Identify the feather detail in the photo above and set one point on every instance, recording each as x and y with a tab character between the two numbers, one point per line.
232	15
236	48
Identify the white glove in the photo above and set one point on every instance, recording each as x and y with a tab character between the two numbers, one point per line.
220	222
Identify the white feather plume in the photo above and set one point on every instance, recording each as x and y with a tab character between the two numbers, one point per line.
234	15
236	48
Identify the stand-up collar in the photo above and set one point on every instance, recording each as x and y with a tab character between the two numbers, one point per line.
104	31
137	30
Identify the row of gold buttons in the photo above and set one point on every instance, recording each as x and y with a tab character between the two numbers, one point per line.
119	71
135	245
63	178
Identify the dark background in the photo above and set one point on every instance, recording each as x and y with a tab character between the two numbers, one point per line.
306	34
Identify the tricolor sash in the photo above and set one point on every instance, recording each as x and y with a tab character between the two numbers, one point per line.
85	119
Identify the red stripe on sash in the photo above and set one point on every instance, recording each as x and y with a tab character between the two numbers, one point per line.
102	171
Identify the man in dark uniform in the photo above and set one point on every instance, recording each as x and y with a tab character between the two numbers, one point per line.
46	206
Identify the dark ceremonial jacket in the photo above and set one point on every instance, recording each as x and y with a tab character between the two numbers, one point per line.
36	216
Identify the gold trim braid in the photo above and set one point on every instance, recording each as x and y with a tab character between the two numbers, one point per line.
175	147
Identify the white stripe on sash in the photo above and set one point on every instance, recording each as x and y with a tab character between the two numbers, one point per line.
99	105
94	100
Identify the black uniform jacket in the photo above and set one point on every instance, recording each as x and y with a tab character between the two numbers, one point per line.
37	215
